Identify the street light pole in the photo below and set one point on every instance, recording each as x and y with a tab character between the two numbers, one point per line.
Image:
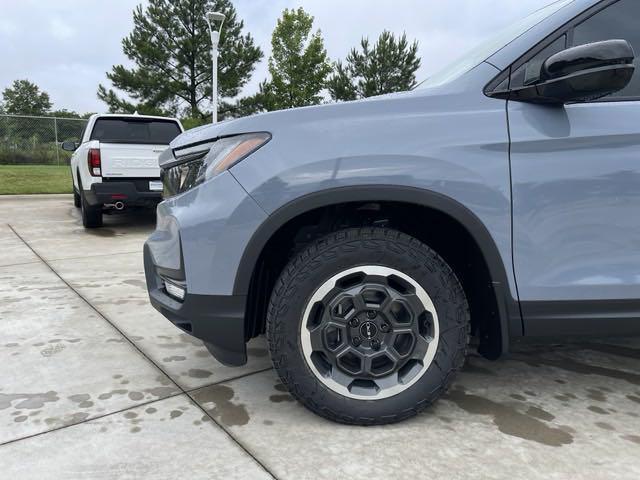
213	19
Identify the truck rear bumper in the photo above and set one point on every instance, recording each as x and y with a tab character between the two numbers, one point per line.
131	193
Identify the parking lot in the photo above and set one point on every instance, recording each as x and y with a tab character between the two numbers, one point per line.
94	383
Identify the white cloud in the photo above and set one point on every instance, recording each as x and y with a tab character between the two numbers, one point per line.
61	30
81	40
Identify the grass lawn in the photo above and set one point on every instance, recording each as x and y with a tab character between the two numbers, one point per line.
23	179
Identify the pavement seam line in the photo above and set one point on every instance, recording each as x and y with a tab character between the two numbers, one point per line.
63	259
85	300
234	439
237	441
138	405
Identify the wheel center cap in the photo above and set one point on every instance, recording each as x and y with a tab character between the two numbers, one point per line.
368	330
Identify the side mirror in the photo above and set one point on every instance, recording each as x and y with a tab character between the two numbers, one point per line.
69	146
582	73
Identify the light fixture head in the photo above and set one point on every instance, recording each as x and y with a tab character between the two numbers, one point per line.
213	17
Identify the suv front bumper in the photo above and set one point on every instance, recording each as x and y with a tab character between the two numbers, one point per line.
218	320
200	238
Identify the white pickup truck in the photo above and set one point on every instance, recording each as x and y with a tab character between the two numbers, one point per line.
115	164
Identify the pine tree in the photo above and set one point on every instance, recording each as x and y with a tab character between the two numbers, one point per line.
389	66
171	49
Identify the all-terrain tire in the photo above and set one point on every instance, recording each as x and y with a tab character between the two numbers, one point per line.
333	254
91	214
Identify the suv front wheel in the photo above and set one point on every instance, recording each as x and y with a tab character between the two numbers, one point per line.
368	326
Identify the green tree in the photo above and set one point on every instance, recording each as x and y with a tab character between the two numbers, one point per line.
25	98
389	66
298	65
171	49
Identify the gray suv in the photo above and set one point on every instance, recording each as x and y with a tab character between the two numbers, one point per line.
371	240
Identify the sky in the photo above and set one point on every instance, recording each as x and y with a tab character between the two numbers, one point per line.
67	46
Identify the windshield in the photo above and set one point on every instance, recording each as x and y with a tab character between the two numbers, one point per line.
483	51
133	130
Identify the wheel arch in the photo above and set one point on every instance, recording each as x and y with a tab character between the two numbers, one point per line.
508	309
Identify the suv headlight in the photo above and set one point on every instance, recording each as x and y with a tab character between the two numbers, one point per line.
204	163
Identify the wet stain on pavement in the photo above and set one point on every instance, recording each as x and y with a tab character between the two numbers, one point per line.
100	232
83	400
509	420
596	395
598	410
471	366
609	349
540	414
632	438
27	400
174	358
633	398
108	395
229	413
605	426
566	397
573	366
281	398
198	373
52	350
162	392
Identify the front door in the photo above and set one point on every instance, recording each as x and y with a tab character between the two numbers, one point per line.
576	198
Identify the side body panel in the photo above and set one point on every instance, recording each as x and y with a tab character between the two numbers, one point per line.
576	198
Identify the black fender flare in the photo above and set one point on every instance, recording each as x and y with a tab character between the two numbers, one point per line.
509	310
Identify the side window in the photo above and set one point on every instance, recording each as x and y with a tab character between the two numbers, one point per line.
620	20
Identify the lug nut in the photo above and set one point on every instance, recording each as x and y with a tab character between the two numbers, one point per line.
356	341
354	322
384	327
372	314
375	344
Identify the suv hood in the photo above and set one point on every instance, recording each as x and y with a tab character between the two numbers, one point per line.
320	118
279	120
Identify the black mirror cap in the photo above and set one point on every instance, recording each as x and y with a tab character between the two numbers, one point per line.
586	85
69	146
586	57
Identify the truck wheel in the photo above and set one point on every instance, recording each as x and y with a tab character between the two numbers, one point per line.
367	326
76	199
91	214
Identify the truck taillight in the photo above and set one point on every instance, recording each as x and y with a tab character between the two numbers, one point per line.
93	159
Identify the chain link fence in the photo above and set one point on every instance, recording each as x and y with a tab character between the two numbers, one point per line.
26	140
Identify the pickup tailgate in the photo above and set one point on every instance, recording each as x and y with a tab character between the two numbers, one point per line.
131	161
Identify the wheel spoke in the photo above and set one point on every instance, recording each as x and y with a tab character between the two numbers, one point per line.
340	377
420	348
389	381
415	303
358	302
315	335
